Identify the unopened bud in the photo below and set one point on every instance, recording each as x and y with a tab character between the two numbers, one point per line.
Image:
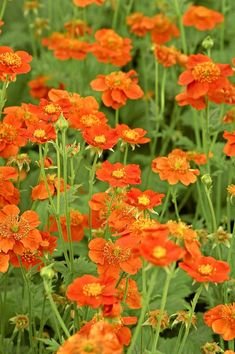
208	43
206	180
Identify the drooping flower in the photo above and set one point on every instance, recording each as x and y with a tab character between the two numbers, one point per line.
164	29
117	87
202	18
91	291
206	269
175	168
140	24
118	175
111	48
221	319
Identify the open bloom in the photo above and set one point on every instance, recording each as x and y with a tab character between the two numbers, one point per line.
118	175
101	137
18	232
175	168
163	30
206	269
41	133
169	56
117	87
160	251
143	200
203	76
134	136
12	137
111	48
221	319
202	18
92	291
13	63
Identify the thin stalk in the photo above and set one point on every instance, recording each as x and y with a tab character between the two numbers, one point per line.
192	310
174	200
165	204
54	308
18	350
67	212
146	300
211	208
182	29
218	197
162	308
231	345
222	27
179	338
125	154
3	304
3	96
115	15
116	117
3	9
162	94
91	183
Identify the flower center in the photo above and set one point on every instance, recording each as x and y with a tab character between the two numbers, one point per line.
92	289
90	120
143	200
76	218
205	269
131	134
100	139
120	173
39	133
115	255
14	228
159	252
206	72
50	108
11	59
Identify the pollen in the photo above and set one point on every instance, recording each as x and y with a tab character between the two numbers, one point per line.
92	289
206	72
116	255
15	228
90	120
159	252
205	269
39	133
131	134
100	139
51	108
10	59
143	200
120	173
76	218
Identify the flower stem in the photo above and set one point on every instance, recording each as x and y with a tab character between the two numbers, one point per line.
91	183
125	155
3	95
211	208
186	333
162	308
116	117
3	9
115	15
182	31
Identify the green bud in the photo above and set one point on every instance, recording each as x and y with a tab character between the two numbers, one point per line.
208	43
47	272
61	124
206	180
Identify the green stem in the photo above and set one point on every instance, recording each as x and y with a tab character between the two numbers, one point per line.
231	345
146	299
162	94
58	174
54	308
218	197
18	350
174	200
115	15
211	208
179	338
3	304
67	212
3	96
91	183
3	9
222	28
125	154
162	308
182	29
165	204
191	313
116	117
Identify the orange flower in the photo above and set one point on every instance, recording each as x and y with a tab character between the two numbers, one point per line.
78	222
199	159
4	262
38	87
77	28
13	63
163	29
229	148
84	3
20	116
202	18
175	168
101	137
206	269
118	87
8	193
139	24
203	76
41	133
169	56
229	116
118	175
18	232
91	291
113	257
12	137
128	288
65	47
93	119
111	48
49	111
160	251
221	319
134	136
143	200
39	192
182	231
184	100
